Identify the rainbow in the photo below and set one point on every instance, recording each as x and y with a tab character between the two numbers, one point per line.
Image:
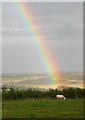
27	16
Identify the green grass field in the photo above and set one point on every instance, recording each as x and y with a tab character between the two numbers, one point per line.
43	108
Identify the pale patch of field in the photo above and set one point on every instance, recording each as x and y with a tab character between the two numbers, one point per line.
80	85
75	83
67	82
39	86
20	79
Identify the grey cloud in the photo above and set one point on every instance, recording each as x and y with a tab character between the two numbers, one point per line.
68	54
21	57
54	19
62	29
16	32
47	9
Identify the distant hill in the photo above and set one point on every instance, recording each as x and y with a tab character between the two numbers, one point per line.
42	80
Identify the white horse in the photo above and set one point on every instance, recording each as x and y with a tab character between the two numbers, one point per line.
8	90
60	97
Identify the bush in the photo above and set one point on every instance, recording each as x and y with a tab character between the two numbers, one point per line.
25	94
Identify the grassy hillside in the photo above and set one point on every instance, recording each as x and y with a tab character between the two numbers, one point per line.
43	108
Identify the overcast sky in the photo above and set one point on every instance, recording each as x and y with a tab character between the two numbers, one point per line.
61	26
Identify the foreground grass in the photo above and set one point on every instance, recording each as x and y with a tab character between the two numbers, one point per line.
43	108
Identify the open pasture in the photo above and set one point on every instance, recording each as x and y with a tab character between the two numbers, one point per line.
43	108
